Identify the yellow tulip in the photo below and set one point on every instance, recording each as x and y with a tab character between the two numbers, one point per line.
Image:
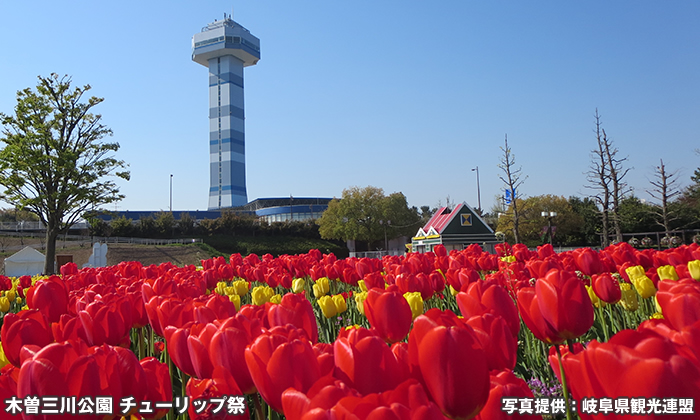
667	272
321	287
230	290
10	294
694	268
4	304
415	301
657	316
236	300
360	301
595	300
220	288
635	271
241	287
261	295
657	306
644	285
327	306
340	304
453	291
508	259
3	360
362	285
276	299
629	299
298	285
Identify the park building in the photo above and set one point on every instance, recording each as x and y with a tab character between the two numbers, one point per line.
455	228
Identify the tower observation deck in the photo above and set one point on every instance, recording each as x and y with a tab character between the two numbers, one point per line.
226	47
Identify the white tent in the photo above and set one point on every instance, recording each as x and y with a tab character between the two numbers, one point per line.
27	261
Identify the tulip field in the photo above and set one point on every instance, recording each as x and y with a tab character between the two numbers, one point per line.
467	334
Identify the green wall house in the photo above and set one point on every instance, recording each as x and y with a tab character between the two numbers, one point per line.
455	229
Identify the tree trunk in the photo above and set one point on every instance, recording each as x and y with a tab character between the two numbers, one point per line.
51	236
516	222
606	232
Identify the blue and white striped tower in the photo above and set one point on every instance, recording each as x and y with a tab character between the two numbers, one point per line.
225	47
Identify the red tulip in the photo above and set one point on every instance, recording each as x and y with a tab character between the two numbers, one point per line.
188	348
316	403
388	313
70	368
494	337
27	327
540	268
631	364
8	389
296	310
505	384
279	359
488	297
107	321
69	269
221	385
227	348
408	401
679	301
374	279
451	363
606	288
49	296
365	362
557	308
588	261
5	283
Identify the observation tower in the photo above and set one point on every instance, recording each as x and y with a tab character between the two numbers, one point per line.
226	47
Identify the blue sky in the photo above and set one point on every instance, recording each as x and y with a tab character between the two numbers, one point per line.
405	95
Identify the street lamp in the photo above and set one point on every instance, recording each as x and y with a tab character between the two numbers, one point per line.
478	187
386	242
549	215
171	193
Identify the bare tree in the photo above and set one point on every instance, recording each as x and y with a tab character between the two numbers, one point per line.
512	179
605	175
619	187
665	189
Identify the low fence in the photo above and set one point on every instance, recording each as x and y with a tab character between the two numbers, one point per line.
375	254
656	239
141	241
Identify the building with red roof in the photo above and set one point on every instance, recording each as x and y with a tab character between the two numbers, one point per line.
455	229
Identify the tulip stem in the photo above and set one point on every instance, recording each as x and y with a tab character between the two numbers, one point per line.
259	415
141	351
612	319
563	384
601	318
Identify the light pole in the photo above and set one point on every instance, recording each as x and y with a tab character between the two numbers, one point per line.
549	215
171	193
386	242
478	187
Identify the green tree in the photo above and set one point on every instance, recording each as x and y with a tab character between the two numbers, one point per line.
165	224
186	224
54	162
366	214
637	216
587	232
534	227
121	226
